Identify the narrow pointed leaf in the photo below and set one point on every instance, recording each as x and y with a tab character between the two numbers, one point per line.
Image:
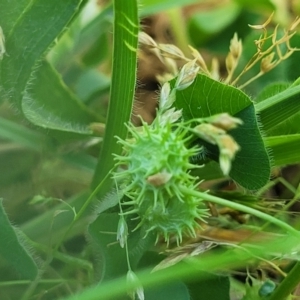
277	109
284	149
12	249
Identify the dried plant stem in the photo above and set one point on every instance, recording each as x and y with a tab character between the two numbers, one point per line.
250	80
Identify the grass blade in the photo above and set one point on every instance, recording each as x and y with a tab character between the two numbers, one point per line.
123	84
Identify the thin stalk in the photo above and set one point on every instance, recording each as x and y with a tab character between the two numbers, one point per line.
242	208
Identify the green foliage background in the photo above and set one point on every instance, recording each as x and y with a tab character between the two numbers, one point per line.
58	72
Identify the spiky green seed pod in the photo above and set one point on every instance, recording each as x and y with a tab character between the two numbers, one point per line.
157	163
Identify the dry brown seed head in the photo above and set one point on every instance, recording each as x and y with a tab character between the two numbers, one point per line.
215	69
208	132
228	145
228	148
264	25
146	39
236	46
187	75
164	95
225	121
267	64
170	116
295	24
171	51
230	62
196	54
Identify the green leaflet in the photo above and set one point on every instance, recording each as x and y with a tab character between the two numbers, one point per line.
30	28
12	249
50	104
206	97
30	84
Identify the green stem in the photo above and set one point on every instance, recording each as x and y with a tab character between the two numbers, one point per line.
179	30
25	282
242	208
122	91
288	284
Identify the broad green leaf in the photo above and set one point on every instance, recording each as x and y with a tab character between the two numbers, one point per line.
103	235
48	103
206	97
12	249
30	28
213	287
284	149
175	291
10	13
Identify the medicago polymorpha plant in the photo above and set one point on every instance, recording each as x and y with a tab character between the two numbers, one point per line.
154	170
158	193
